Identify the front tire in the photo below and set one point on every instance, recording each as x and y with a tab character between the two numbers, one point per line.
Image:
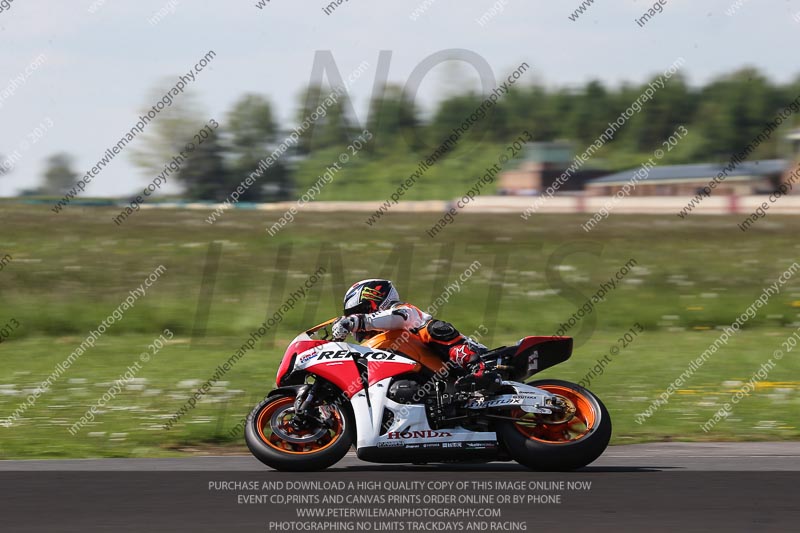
275	442
559	445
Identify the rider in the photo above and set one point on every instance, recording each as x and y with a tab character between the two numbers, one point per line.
373	305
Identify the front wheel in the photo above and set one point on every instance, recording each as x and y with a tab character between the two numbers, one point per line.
279	440
559	443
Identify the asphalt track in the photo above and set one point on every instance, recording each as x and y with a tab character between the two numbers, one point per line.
649	487
671	456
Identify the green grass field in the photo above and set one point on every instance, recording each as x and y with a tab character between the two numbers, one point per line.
70	271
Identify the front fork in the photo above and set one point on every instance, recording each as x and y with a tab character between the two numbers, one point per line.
305	407
305	397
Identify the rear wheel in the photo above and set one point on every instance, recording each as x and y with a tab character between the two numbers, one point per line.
278	438
568	441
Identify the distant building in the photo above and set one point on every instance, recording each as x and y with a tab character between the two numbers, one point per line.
794	142
748	178
541	165
756	177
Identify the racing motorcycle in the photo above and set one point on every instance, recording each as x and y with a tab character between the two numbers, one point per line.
397	402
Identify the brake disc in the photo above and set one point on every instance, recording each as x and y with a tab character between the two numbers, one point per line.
283	429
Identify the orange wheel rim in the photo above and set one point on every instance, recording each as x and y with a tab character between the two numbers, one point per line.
280	413
582	422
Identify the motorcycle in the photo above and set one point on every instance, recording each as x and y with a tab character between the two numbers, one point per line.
395	400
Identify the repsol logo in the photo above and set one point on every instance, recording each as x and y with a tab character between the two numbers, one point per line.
427	434
345	354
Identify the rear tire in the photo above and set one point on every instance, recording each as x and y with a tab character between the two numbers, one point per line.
547	447
267	445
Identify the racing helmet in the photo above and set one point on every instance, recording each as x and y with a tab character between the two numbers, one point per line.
369	296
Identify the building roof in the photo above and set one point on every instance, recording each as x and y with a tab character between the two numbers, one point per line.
704	171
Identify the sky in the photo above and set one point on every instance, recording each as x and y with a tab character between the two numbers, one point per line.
104	58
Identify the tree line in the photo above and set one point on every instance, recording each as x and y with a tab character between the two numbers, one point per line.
721	117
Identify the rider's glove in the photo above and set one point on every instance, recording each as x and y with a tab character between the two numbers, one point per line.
463	355
344	326
479	379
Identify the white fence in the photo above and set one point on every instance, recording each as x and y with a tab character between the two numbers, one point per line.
651	205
